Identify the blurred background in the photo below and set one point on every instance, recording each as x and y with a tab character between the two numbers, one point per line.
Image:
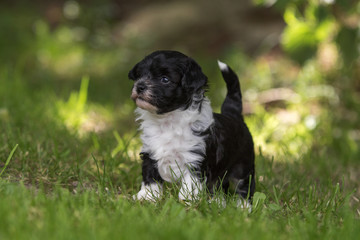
64	65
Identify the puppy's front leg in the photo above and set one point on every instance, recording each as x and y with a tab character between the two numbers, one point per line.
190	186
151	186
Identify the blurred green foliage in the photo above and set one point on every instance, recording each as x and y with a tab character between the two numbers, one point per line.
303	34
326	35
315	22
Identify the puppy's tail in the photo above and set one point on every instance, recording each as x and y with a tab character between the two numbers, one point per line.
232	105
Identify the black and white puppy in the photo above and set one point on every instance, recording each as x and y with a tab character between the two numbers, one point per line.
183	140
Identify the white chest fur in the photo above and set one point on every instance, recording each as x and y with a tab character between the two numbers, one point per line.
170	138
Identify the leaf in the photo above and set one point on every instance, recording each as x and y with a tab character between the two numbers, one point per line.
259	196
258	199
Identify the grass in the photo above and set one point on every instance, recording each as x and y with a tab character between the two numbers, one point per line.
97	216
309	213
62	184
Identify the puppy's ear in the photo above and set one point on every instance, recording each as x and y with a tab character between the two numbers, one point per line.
194	79
132	73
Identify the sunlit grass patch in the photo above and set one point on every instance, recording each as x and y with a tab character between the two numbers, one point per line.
80	116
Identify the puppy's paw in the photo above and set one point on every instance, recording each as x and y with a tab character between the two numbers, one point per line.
220	201
150	192
244	204
188	195
190	189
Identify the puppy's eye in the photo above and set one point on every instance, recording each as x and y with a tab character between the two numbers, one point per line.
164	80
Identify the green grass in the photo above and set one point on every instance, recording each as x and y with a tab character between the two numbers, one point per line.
310	213
63	215
63	184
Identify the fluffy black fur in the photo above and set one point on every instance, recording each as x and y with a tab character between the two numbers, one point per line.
175	79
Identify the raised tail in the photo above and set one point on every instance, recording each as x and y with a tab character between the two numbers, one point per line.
232	105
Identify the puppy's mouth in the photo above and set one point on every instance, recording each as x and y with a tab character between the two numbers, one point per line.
142	103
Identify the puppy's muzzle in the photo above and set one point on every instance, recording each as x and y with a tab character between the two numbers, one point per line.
140	94
138	89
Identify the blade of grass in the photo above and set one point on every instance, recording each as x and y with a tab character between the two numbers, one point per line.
9	158
100	179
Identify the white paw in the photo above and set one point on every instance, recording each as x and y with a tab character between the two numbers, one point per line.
190	188
220	201
188	195
244	204
150	192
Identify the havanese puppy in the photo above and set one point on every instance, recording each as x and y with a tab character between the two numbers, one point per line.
183	140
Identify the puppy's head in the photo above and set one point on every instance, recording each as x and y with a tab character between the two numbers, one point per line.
165	81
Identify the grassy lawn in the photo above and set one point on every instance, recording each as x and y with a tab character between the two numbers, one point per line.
69	148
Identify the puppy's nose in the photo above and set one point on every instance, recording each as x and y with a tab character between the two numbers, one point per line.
140	87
